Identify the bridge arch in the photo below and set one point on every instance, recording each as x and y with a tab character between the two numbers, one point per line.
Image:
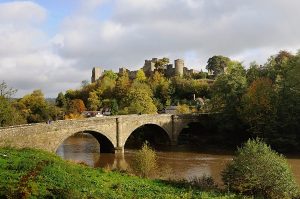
106	143
146	131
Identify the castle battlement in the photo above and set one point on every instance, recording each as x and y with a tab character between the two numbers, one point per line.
149	69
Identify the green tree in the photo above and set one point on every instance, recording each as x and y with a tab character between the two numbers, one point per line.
259	106
93	101
61	100
162	90
228	89
140	101
114	107
36	108
217	64
161	63
105	87
122	88
140	76
287	137
253	73
110	74
259	171
9	116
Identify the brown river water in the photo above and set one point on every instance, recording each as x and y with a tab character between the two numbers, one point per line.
183	164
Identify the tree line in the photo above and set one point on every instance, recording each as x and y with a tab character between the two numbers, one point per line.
261	101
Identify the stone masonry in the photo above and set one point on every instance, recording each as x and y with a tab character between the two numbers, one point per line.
111	132
149	69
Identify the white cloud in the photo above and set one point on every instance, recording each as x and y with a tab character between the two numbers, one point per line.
135	30
20	12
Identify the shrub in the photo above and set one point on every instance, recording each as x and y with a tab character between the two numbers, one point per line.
204	183
145	162
258	170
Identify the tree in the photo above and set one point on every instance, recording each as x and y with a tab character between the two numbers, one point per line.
161	63
259	106
5	91
9	116
105	87
93	101
114	108
35	107
253	73
287	137
110	74
261	172
228	89
76	106
122	88
140	76
217	64
84	83
161	88
183	109
140	101
61	100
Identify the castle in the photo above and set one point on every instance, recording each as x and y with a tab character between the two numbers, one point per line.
149	69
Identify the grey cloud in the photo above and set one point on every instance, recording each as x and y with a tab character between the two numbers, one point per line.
138	30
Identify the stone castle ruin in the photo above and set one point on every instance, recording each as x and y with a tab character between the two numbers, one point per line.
149	69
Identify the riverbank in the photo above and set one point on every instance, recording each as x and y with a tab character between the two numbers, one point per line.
29	173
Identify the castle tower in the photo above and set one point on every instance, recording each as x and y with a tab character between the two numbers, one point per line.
149	66
179	65
96	74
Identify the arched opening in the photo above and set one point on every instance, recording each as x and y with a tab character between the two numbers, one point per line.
198	135
87	141
155	135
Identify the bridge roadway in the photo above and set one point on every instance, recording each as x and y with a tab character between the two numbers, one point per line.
111	131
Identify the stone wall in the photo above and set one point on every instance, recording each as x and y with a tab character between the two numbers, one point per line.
116	129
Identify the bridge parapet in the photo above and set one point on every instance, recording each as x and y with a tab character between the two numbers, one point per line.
115	128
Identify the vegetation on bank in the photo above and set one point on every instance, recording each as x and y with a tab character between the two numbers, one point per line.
260	101
28	173
259	171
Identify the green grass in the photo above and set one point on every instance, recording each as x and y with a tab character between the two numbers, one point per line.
29	173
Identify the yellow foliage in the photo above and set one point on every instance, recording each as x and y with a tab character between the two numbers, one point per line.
183	109
73	116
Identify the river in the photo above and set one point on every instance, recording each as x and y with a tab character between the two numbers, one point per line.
182	163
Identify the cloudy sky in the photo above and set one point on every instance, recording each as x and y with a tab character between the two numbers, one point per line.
53	44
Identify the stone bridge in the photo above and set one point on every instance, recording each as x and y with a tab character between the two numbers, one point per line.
111	131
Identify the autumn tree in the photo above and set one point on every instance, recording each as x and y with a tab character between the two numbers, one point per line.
9	115
122	88
161	88
140	76
76	106
140	101
259	106
35	107
93	101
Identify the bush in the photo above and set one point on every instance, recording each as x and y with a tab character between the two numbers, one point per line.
145	162
257	170
204	183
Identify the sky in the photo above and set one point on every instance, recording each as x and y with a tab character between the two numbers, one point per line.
53	45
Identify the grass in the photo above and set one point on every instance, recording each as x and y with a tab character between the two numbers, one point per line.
29	173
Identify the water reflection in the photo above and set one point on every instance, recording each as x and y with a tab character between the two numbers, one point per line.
85	148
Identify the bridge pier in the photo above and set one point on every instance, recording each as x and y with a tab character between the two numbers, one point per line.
119	150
